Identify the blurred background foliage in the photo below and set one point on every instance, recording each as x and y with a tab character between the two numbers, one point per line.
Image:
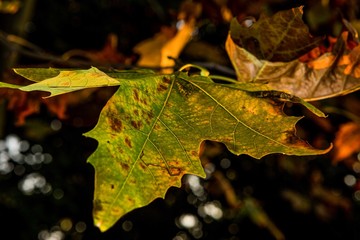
46	184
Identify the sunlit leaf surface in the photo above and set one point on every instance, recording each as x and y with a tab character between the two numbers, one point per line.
66	81
150	131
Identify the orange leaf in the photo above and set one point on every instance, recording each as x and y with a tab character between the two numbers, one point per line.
347	141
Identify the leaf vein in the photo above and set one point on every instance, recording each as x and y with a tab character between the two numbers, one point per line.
178	140
231	114
146	140
211	116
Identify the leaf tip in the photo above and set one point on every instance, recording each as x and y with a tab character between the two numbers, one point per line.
101	226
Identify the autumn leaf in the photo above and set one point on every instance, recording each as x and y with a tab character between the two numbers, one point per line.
281	37
107	55
165	46
38	74
331	74
150	131
24	104
347	141
160	50
58	81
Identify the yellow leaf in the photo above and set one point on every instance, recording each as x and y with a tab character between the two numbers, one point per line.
158	51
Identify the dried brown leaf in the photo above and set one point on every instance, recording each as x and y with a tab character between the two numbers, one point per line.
281	37
331	74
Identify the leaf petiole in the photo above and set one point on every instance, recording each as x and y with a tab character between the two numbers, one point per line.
223	78
203	71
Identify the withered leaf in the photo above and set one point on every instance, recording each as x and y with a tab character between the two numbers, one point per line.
331	74
281	37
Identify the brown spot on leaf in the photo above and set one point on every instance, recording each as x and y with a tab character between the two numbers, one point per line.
143	165
128	142
136	95
120	150
115	210
97	205
161	87
124	166
184	88
130	200
194	153
291	138
116	124
112	186
166	80
174	171
136	124
136	112
148	116
144	101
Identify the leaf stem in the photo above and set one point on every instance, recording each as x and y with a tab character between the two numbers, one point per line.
223	78
203	71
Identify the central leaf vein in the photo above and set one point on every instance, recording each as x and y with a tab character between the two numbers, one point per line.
144	144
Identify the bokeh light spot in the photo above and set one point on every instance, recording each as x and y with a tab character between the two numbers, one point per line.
55	125
58	193
188	220
80	227
357	195
37	149
66	224
213	210
225	163
31	182
127	226
350	180
53	235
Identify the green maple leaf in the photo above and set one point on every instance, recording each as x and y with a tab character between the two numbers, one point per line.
150	131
